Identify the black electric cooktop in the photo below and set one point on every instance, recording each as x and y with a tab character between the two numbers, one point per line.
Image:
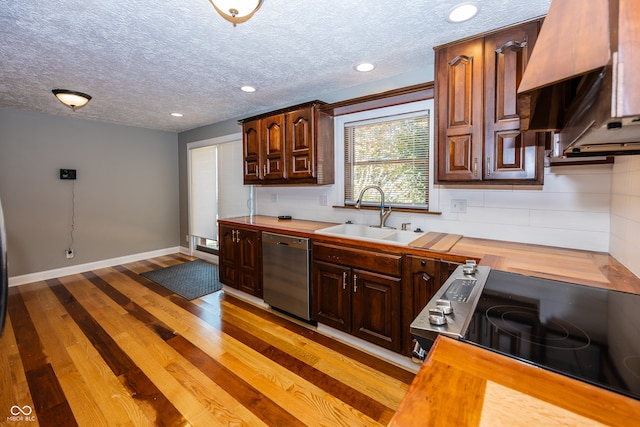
588	333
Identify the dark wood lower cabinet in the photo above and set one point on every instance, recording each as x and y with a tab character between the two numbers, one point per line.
374	295
332	295
376	308
422	277
358	291
239	259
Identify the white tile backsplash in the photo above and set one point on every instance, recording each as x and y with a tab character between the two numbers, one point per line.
572	208
625	212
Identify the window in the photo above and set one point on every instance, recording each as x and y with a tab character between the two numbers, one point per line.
391	151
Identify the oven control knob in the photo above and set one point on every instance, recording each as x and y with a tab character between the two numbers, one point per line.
469	268
444	305
436	317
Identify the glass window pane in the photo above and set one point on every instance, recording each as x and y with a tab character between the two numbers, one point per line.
392	153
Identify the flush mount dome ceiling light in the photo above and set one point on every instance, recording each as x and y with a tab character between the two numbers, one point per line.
72	99
236	11
462	12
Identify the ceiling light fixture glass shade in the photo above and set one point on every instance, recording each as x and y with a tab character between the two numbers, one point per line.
236	11
72	99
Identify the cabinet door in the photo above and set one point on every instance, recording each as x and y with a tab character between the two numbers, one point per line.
273	143
376	308
300	143
422	277
509	152
332	295
459	92
248	262
228	256
252	152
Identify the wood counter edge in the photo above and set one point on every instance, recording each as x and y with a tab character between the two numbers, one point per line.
307	228
451	362
500	255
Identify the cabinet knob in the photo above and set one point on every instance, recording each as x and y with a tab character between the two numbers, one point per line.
423	263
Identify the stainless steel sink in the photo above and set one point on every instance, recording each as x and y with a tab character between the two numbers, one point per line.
367	233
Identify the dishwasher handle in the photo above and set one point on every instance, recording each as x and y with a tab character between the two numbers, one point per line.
283	240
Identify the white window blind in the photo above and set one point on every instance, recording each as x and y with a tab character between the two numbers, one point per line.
233	195
390	152
204	201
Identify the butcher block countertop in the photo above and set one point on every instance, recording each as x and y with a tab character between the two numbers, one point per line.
570	265
460	384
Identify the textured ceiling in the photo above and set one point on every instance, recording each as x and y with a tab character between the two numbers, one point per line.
143	59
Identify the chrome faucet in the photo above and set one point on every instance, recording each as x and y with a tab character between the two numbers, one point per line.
383	214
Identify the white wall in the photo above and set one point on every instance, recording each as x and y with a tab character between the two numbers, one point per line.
625	212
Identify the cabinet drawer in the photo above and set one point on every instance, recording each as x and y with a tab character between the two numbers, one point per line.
378	262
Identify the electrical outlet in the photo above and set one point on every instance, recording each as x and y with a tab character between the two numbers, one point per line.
324	200
458	206
67	174
186	238
69	253
274	197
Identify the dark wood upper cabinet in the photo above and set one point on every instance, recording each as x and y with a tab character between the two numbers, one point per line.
289	146
300	135
509	152
459	91
479	137
273	145
252	153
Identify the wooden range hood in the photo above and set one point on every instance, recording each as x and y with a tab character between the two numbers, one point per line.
581	78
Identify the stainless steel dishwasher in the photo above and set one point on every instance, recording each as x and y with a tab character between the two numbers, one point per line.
286	277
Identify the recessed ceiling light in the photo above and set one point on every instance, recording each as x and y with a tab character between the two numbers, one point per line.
176	114
248	89
462	12
365	67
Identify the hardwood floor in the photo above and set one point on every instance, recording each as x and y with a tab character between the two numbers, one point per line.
109	347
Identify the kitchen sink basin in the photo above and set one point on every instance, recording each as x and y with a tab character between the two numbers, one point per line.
367	233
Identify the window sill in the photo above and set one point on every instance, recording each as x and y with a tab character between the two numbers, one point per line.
393	209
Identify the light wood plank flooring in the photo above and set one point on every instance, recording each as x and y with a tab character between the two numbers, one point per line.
109	347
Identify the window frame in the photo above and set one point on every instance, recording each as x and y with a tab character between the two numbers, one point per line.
377	113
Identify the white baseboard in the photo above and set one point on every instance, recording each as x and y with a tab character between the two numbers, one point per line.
390	356
80	268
